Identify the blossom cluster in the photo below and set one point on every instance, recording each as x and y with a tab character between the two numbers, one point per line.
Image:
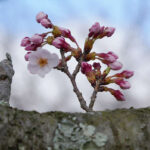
41	61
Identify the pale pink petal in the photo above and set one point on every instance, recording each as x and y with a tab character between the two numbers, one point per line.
50	61
54	60
33	68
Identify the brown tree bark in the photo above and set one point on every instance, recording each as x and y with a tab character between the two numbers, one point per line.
122	129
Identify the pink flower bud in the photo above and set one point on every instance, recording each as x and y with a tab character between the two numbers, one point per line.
122	83
118	95
115	65
125	74
66	33
85	67
109	31
40	16
32	43
60	43
31	47
109	57
102	29
96	66
36	39
94	30
25	41
27	56
46	23
113	54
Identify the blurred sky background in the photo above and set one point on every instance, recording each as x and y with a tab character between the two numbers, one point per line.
131	42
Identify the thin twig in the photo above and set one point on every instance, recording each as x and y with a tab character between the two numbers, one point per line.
94	95
72	79
74	74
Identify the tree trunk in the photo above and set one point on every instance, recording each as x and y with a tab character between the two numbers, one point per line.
122	129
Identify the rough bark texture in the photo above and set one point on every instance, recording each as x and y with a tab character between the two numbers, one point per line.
6	74
122	129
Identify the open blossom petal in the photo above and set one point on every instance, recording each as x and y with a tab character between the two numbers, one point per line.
42	61
33	68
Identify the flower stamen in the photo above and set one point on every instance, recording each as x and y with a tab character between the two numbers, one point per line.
42	62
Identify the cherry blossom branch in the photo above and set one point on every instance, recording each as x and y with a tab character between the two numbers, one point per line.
72	79
94	95
41	61
78	66
77	69
97	87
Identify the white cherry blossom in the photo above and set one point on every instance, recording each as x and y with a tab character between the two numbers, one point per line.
42	61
